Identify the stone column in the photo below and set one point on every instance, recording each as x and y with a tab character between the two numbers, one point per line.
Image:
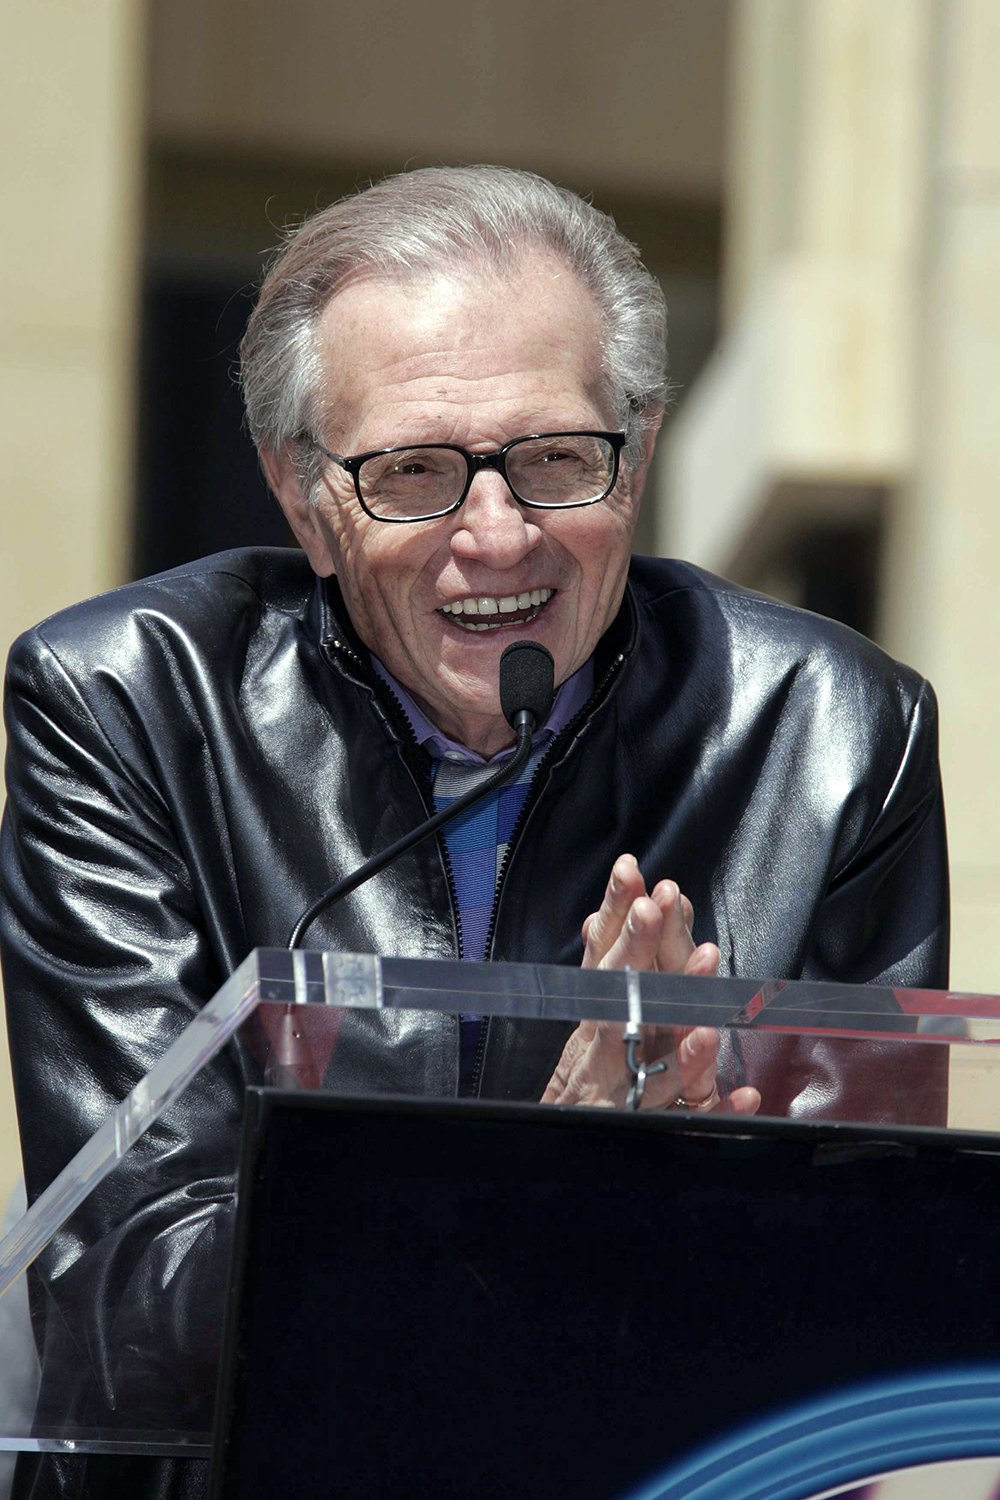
72	124
941	594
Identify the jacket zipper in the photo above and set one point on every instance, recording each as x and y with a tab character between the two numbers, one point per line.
563	737
405	732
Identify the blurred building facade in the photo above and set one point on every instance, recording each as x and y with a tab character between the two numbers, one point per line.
816	183
850	405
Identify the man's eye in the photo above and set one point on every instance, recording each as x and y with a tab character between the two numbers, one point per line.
411	466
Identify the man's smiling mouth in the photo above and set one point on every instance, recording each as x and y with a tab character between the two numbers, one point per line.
488	612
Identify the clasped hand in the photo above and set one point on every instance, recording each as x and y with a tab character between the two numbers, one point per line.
646	932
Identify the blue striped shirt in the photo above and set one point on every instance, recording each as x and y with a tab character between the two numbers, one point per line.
477	841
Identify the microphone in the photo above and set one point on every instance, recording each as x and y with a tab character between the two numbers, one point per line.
527	683
527	686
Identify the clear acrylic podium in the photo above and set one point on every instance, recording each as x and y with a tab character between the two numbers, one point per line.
294	1011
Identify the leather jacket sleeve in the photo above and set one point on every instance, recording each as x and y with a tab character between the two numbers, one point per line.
100	910
883	920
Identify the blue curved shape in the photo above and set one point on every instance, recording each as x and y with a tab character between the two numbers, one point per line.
846	1435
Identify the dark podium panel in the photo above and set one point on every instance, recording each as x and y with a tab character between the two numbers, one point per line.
464	1299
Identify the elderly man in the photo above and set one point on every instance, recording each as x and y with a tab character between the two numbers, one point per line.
454	381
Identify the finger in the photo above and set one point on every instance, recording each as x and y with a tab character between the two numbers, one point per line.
704	960
745	1101
690	1076
603	928
638	941
697	1059
676	945
688	911
696	1076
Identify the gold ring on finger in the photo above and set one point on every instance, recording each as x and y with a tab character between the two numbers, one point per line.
708	1102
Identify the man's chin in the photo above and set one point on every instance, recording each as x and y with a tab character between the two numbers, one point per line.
471	673
470	698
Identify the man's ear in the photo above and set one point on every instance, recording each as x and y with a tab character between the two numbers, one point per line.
302	517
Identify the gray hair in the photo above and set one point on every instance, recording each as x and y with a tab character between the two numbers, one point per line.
422	222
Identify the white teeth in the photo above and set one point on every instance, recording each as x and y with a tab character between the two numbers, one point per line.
487	605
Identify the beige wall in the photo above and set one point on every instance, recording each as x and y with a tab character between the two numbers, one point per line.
71	123
813	385
593	91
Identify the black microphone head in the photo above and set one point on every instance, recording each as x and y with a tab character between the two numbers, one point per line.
527	680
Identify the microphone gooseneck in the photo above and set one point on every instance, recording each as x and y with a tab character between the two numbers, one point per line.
527	685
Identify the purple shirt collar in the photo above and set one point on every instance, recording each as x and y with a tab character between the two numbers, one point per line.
570	698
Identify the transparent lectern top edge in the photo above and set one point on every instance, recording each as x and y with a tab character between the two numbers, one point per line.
559	992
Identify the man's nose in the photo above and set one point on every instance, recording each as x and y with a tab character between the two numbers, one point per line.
493	528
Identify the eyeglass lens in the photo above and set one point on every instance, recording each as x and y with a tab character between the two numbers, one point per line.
550	471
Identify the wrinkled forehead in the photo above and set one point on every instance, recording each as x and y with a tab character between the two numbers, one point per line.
460	330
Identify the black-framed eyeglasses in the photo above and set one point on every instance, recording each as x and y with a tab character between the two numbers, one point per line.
546	471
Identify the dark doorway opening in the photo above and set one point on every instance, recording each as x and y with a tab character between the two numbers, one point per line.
200	488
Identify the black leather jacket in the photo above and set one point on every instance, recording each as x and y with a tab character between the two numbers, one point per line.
194	757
